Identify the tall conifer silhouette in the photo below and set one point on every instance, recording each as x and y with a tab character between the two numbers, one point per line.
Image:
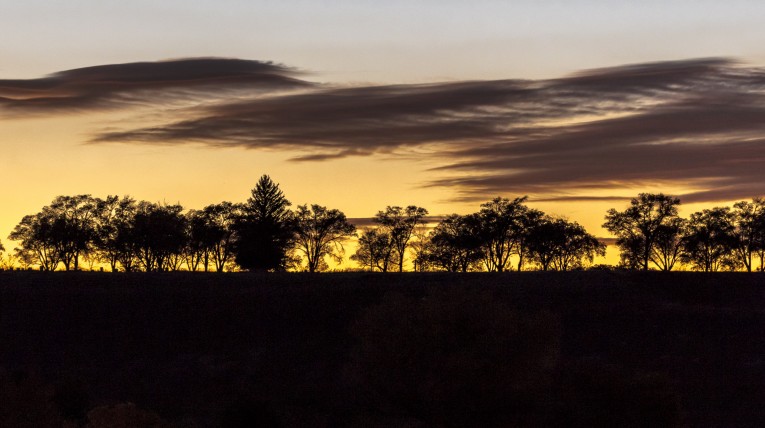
265	231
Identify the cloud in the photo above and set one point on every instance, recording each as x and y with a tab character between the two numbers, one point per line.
701	143
131	84
694	124
339	122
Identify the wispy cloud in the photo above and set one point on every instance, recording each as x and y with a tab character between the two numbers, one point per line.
696	124
125	85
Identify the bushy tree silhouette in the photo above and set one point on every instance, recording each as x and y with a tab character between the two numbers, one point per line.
159	236
668	245
454	244
265	231
37	241
749	232
116	242
710	239
319	233
399	223
562	245
60	233
75	226
637	228
212	234
374	250
529	219
501	228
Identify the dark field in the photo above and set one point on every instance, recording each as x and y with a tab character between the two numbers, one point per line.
409	350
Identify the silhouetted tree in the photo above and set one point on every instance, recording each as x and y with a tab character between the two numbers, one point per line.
637	227
198	241
668	244
106	230
8	262
579	246
501	227
74	227
709	239
60	232
266	230
749	231
562	245
211	236
529	219
546	240
419	247
454	244
38	245
399	223
159	235
115	241
220	220
374	250
319	233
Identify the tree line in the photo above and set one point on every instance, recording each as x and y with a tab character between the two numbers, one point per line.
263	234
651	234
482	241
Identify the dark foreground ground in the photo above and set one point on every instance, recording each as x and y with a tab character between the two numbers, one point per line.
412	350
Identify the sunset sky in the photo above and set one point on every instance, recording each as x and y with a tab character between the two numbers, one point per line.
358	105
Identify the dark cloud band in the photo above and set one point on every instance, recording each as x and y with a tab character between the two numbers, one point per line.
124	85
695	124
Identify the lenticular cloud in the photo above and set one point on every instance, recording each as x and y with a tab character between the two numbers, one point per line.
697	124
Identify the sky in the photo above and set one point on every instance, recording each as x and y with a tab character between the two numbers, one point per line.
359	105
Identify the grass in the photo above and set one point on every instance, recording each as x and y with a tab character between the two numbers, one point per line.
354	349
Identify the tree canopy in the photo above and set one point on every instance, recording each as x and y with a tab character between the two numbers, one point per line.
265	231
320	233
399	223
638	227
263	234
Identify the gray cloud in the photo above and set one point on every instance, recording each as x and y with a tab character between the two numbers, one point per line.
124	85
698	124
